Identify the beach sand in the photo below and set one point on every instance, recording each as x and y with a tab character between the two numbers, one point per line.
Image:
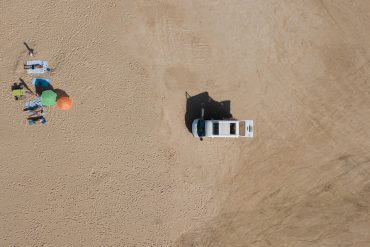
121	168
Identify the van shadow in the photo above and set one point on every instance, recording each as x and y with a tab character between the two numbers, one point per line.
212	109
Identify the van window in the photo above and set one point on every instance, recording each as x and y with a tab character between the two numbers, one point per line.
232	128
215	129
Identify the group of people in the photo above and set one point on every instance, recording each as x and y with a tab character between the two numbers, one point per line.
45	95
35	112
33	105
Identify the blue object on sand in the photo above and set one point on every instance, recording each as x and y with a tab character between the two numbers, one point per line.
41	82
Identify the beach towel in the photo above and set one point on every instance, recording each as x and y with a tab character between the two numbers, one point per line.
33	104
17	92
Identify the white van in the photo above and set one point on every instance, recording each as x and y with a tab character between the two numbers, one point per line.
222	128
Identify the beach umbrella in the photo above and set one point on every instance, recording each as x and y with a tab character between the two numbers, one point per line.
48	98
64	103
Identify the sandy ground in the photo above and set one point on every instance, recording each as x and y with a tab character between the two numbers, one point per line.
121	168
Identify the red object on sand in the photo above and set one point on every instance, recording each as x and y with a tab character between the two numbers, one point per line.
64	103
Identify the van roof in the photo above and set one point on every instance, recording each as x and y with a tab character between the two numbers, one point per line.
221	128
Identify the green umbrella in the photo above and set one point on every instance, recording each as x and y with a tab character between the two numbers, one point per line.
48	98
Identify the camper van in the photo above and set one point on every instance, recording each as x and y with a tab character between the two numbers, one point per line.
222	128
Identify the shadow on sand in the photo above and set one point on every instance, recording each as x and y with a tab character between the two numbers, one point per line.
60	93
29	49
212	109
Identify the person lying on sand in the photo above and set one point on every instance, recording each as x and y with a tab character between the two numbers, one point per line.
33	66
36	120
33	108
36	112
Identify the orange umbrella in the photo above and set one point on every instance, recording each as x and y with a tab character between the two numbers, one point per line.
64	103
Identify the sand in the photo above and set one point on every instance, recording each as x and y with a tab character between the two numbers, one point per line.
122	169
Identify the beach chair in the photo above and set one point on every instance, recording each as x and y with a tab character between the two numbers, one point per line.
37	67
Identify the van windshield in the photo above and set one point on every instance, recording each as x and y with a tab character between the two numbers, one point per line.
201	128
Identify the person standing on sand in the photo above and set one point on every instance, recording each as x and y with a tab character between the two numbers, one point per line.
30	50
